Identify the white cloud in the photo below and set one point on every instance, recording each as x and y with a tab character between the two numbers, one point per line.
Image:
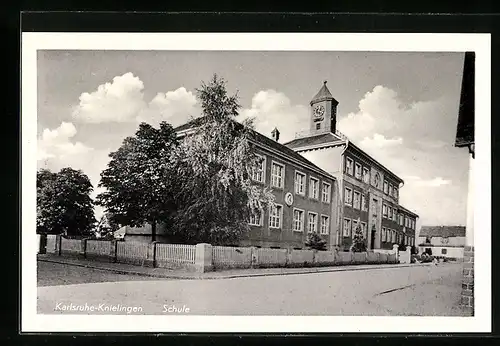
378	141
175	107
118	101
56	150
382	111
57	144
272	109
434	182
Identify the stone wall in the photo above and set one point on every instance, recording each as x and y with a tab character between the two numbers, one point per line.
468	281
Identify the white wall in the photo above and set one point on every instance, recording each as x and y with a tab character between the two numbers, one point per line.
451	252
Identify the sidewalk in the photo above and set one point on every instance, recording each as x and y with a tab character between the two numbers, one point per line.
127	269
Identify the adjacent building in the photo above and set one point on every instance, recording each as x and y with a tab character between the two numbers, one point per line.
442	241
368	191
305	196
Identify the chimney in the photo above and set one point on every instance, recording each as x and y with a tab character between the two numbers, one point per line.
275	134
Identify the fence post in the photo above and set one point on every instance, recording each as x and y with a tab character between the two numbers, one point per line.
149	262
83	247
203	259
59	244
396	252
254	259
112	251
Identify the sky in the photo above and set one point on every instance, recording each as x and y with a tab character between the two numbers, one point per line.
401	108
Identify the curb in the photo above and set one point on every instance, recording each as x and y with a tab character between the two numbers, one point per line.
230	276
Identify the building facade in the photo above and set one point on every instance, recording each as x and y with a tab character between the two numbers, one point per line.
305	196
442	241
368	191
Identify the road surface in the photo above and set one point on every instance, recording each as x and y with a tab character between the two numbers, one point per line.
406	291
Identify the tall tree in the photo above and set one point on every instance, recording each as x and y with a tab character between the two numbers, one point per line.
358	241
64	204
215	194
139	178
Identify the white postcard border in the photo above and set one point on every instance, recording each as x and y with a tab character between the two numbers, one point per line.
480	43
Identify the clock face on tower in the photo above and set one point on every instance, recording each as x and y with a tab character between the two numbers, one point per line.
319	111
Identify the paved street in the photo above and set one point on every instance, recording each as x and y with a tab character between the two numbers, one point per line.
52	274
410	291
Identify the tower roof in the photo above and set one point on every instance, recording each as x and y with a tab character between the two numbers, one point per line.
323	95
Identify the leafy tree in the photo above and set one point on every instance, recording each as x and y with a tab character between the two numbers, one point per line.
215	194
64	204
315	242
139	178
107	226
358	242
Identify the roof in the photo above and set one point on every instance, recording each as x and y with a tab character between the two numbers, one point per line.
334	139
323	95
442	231
144	230
407	211
465	125
323	138
264	140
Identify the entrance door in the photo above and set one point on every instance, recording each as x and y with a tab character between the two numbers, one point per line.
373	233
374	217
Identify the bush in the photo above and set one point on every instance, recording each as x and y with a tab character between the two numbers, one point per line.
315	242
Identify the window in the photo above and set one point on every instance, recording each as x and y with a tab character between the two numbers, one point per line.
395	216
364	207
325	193
386	186
384	210
384	234
318	126
259	171
300	183
357	200
347	227
401	217
374	207
298	220
277	175
348	165
364	228
255	217
390	190
393	236
444	251
348	196
325	224
389	213
314	188
357	171
366	175
275	215
395	192
313	222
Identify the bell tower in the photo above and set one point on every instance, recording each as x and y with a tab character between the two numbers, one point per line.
323	112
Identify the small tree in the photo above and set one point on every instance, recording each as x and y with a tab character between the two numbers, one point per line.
315	242
64	204
358	242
